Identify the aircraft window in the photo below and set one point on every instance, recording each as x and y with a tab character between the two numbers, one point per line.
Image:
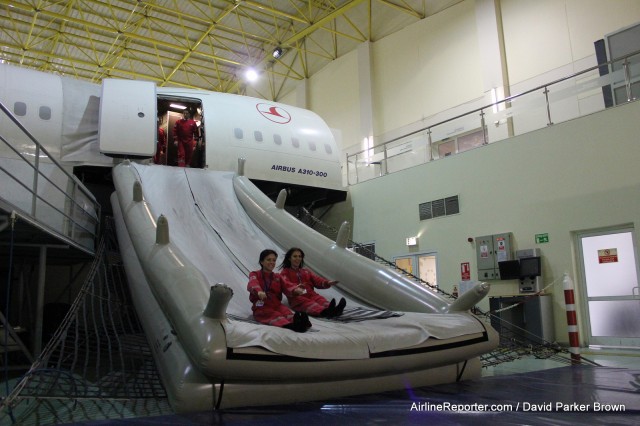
238	133
295	142
45	113
20	108
257	135
277	139
312	146
327	148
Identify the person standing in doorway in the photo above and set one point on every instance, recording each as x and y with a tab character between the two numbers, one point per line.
185	135
161	148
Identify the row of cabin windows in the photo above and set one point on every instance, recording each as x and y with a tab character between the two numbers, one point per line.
20	109
277	139
44	112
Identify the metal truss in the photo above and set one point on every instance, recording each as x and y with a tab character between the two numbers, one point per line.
203	44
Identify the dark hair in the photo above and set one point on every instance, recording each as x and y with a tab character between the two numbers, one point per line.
266	252
286	262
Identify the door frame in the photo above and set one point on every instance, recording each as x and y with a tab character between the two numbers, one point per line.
416	263
581	282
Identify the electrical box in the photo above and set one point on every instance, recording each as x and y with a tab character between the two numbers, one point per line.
491	249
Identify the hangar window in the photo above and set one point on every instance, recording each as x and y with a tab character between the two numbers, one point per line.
460	143
277	139
237	132
257	134
45	113
327	148
20	109
295	142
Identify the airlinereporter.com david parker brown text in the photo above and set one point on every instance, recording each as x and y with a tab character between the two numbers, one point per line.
520	406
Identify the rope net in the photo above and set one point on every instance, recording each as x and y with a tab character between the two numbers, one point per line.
98	364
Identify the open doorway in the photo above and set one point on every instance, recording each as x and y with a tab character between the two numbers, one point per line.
181	136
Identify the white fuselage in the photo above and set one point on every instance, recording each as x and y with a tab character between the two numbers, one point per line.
77	122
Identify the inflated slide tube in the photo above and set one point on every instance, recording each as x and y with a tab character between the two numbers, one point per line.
179	288
361	277
187	389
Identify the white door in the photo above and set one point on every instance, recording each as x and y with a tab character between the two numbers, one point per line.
128	118
422	266
610	288
427	269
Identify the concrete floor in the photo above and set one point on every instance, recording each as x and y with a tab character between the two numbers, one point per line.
526	391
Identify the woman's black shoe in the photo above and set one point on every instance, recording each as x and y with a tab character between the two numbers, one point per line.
340	307
328	311
294	327
306	321
302	319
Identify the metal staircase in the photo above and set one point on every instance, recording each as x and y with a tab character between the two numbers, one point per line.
47	218
98	364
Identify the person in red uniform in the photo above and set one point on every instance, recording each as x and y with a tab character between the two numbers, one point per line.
185	135
160	156
301	284
265	293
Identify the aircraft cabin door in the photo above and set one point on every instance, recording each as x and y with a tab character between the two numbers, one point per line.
127	125
609	284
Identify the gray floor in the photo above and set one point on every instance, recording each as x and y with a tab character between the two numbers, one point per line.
606	357
526	391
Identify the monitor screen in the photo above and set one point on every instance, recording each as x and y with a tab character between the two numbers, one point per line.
509	269
530	267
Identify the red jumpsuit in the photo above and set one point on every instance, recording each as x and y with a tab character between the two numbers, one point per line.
186	133
161	150
273	312
310	302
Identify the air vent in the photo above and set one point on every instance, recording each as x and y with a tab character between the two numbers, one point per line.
451	205
441	207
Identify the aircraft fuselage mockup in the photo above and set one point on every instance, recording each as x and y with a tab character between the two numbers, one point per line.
90	124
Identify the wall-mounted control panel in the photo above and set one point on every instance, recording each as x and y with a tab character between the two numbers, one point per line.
491	249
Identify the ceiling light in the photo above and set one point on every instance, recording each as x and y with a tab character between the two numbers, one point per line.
251	75
277	52
177	106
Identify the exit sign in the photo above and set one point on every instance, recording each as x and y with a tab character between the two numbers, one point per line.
542	238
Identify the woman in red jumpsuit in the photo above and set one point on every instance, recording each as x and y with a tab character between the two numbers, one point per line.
265	293
185	135
161	149
301	284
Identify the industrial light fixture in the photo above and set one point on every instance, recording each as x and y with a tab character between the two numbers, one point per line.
412	241
251	75
177	106
277	52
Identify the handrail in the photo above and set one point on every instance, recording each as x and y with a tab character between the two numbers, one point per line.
428	129
87	215
34	190
330	232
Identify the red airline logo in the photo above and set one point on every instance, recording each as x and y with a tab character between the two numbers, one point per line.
274	113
